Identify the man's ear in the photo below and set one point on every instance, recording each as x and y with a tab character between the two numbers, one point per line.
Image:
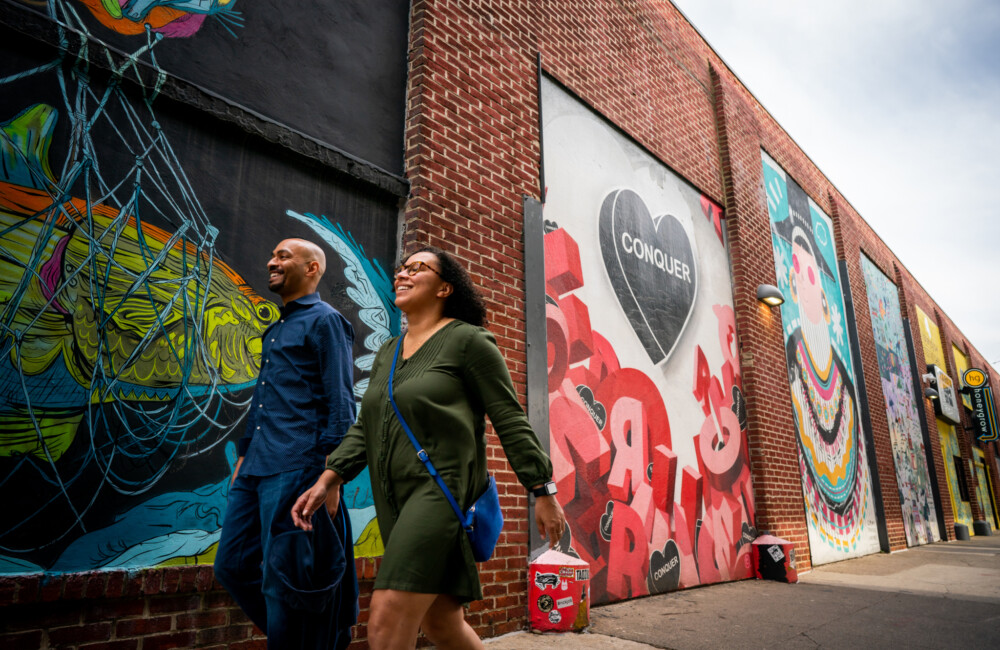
312	268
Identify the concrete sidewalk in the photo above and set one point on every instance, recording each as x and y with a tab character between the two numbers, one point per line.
944	595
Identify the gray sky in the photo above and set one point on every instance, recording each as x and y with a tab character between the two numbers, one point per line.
898	103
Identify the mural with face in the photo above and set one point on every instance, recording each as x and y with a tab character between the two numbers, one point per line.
832	458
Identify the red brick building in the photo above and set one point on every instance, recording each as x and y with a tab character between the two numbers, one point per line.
477	158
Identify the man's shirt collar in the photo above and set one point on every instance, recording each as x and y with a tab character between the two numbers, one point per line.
300	303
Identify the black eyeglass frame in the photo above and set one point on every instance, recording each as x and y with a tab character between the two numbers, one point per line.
420	265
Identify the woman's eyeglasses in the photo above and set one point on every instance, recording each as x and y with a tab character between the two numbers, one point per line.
413	268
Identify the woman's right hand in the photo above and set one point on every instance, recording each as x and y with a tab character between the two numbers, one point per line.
326	490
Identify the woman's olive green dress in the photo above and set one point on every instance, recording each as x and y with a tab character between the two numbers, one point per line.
443	390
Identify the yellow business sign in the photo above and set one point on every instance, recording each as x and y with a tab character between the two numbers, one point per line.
983	414
974	378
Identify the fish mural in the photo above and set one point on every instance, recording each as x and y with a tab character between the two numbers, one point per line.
129	348
136	338
145	343
104	307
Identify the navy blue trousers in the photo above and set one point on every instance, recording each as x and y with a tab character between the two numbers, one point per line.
299	587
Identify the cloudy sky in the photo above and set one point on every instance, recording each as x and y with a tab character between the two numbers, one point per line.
898	103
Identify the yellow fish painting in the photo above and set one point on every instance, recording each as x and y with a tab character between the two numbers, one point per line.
97	305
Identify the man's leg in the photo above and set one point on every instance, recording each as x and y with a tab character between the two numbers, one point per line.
288	625
239	554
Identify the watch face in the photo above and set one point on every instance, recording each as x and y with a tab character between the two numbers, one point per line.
546	490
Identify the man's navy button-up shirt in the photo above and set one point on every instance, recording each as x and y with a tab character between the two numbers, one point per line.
304	399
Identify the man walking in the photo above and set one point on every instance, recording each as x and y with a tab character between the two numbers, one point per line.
298	587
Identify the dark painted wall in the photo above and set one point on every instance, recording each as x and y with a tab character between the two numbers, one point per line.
135	232
335	71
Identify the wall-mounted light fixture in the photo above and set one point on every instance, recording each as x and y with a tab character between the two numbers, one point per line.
770	295
930	379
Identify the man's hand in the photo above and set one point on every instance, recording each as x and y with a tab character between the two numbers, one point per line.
326	490
236	470
550	519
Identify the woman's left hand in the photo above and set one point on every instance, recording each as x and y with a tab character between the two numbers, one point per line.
550	519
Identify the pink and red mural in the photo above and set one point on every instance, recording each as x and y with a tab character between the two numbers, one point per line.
646	414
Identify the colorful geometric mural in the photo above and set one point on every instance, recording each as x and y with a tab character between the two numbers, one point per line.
646	414
129	346
916	495
831	443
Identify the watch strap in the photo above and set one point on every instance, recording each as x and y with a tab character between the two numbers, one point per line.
546	489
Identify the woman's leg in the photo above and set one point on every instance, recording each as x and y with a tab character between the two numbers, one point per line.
395	617
444	624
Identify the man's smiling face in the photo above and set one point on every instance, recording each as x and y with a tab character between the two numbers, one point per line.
287	268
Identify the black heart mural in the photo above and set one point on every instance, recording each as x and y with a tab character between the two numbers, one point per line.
595	408
739	407
651	264
747	536
664	569
609	513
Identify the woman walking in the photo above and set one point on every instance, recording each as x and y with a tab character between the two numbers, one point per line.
448	376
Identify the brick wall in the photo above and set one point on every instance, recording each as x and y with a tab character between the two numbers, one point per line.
472	152
178	607
853	239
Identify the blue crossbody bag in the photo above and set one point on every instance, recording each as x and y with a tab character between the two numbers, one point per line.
484	520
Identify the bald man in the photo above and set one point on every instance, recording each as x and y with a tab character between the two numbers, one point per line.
299	589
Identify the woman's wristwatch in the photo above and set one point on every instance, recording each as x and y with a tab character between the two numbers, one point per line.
544	490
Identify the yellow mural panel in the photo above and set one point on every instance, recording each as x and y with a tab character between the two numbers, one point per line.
930	339
961	365
984	491
950	451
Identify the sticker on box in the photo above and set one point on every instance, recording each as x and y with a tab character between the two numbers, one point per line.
546	580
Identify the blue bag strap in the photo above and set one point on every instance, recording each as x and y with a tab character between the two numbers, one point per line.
421	454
